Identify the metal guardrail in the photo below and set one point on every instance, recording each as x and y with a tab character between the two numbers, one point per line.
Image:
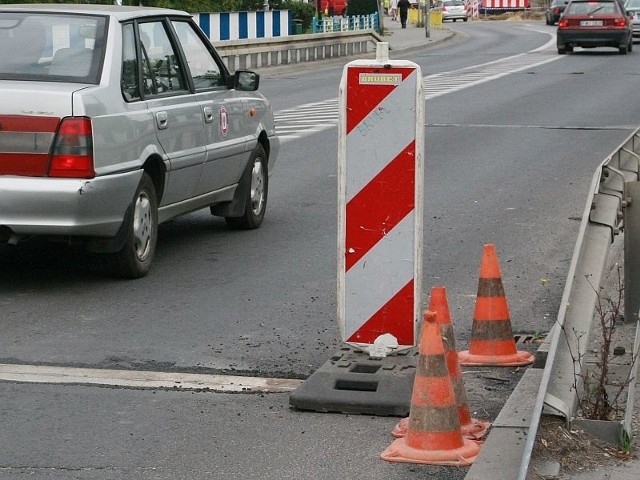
614	188
602	220
270	52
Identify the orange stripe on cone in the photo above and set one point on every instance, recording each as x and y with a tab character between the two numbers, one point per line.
492	342
472	428
433	432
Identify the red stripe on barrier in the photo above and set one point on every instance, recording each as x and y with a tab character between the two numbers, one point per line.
380	206
18	123
362	98
395	317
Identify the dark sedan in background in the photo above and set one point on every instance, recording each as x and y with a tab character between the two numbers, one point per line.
554	10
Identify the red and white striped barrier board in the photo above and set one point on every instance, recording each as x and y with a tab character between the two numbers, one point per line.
380	196
505	4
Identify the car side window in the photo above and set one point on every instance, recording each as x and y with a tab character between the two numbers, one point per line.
206	73
161	70
129	80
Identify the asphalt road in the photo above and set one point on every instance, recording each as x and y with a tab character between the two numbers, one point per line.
508	162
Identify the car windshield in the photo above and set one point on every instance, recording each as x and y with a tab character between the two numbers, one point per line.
51	47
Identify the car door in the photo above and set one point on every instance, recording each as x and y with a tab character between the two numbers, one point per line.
227	132
177	113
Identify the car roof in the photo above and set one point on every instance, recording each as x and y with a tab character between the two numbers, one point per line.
119	12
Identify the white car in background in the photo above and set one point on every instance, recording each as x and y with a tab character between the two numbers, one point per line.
633	10
115	119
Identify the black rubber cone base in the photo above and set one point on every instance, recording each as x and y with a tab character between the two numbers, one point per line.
352	382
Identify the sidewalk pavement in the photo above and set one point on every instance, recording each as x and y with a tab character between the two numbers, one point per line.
412	37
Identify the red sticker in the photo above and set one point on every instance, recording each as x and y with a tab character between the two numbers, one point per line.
224	122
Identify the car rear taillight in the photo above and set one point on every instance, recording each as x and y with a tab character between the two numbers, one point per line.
72	155
619	22
444	9
563	23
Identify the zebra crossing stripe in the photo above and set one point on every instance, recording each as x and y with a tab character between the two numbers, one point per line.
380	195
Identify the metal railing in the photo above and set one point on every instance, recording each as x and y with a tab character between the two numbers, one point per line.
602	220
613	189
343	24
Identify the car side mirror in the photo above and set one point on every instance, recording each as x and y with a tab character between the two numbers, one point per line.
245	81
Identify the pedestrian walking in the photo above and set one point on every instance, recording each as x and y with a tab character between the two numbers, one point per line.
394	10
403	8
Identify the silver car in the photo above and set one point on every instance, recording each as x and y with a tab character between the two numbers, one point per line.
115	119
633	10
453	10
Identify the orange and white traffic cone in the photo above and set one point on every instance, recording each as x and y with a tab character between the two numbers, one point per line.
433	431
492	342
472	428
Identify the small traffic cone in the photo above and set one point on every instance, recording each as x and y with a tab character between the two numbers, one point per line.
472	428
433	431
492	342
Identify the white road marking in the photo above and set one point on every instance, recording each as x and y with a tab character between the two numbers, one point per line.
145	379
304	120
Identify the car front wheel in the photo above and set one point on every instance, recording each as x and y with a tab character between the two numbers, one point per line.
257	189
134	259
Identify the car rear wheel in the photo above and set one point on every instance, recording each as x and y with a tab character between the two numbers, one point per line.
134	259
257	189
623	49
562	50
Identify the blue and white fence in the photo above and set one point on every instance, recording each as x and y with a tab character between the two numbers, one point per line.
343	24
245	25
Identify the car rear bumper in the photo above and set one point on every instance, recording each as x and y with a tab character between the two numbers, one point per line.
593	38
66	207
456	16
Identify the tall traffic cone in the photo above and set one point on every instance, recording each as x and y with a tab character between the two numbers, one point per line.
492	342
433	432
471	428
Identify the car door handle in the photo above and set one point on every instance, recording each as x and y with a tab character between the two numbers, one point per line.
208	114
162	120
